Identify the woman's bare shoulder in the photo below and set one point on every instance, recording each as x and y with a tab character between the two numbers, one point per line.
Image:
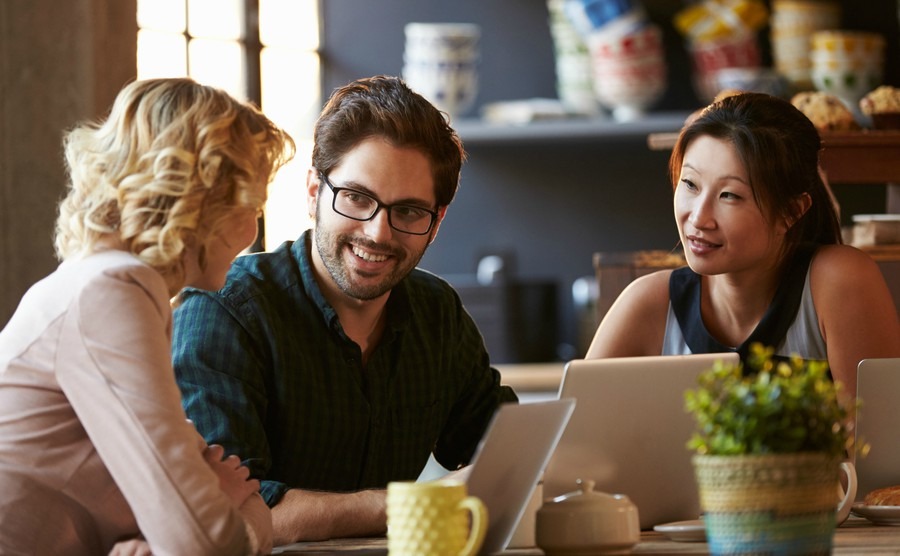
843	262
651	287
635	324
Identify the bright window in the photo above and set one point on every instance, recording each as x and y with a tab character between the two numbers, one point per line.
264	51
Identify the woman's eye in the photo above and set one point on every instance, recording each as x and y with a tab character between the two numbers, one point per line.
730	195
688	184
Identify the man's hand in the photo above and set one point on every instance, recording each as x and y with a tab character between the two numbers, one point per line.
234	478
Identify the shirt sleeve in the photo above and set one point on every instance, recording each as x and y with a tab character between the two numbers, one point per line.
220	371
114	367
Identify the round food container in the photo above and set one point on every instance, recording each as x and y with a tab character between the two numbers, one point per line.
587	522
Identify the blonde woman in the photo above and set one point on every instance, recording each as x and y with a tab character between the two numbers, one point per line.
96	454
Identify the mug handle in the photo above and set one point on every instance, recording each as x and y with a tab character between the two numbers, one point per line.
846	503
479	525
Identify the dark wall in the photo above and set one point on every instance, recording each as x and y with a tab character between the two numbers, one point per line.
551	204
60	63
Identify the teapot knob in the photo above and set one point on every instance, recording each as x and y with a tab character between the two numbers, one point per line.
587	486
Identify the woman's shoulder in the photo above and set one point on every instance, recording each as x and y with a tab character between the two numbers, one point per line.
836	261
842	274
111	274
655	283
647	295
635	323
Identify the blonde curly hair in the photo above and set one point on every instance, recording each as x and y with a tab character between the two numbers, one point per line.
167	169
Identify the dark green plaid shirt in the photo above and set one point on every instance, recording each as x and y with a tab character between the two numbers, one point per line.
266	370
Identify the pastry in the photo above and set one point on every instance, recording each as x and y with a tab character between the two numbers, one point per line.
825	111
887	496
883	105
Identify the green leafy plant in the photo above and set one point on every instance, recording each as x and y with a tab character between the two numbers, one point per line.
779	407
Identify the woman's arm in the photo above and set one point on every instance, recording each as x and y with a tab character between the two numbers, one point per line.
857	315
115	368
636	322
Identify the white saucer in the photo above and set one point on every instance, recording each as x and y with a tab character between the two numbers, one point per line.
683	531
879	515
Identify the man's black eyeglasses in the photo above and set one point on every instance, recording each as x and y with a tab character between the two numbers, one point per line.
357	205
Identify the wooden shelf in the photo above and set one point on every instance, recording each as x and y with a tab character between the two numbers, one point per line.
862	157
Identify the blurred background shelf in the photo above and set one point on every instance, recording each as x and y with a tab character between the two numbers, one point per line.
478	132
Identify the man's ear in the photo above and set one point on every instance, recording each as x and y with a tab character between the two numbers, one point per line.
442	211
312	192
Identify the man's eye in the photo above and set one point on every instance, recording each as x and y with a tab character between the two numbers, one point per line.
354	197
409	212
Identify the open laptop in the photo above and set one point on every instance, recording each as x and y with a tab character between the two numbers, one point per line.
509	461
505	470
629	433
878	423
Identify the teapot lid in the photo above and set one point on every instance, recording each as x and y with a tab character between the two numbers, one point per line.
586	498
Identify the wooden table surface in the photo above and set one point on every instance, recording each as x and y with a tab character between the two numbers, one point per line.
856	536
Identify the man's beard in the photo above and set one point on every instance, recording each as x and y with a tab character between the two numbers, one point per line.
331	250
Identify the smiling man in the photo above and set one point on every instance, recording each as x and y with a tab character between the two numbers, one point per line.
333	365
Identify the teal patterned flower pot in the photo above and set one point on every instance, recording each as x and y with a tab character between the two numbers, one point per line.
778	505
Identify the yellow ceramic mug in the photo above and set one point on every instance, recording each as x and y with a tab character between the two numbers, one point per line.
432	519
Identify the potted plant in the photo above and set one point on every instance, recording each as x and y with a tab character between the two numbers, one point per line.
769	448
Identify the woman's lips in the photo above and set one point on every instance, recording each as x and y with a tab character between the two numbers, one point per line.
701	246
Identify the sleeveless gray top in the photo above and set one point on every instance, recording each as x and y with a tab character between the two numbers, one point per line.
790	323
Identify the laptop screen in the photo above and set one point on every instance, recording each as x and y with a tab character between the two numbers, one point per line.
509	462
629	433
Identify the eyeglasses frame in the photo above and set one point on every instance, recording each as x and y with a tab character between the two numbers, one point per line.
378	206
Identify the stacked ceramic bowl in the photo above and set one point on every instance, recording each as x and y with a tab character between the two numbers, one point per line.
791	24
709	58
574	81
629	71
847	64
627	58
440	63
722	36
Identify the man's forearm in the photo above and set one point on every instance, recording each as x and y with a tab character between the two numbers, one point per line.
304	515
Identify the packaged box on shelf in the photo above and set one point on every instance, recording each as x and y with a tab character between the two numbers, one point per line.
876	229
